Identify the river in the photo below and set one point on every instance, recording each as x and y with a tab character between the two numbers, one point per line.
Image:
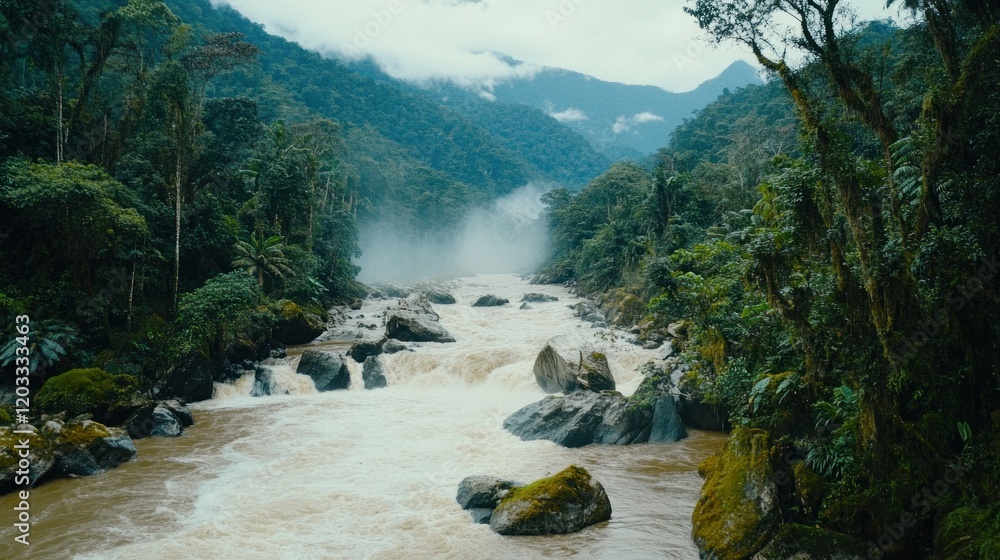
372	474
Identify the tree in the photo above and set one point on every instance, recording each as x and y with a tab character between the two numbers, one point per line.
263	259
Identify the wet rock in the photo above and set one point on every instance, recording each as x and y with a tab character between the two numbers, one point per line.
362	350
482	491
436	293
559	369
414	320
621	308
391	290
738	512
393	346
264	383
588	313
570	421
701	415
538	298
182	412
565	503
667	426
373	373
623	424
157	420
490	300
40	462
87	448
191	380
328	370
526	306
481	516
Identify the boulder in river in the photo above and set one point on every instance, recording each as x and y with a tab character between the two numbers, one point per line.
190	380
373	373
86	448
559	369
414	320
436	293
585	417
159	420
490	300
482	491
565	503
581	418
538	298
393	346
360	351
328	370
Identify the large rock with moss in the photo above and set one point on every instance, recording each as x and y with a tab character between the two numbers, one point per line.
621	308
328	370
110	399
565	503
738	512
296	324
16	470
58	448
800	542
560	368
85	448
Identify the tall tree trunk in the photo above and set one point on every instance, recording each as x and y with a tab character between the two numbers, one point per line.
177	225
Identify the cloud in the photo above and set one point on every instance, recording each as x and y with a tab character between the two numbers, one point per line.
625	124
646	117
569	115
628	41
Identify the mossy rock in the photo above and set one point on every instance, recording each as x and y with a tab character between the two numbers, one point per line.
565	503
800	542
41	460
969	534
738	512
810	488
110	399
622	308
296	324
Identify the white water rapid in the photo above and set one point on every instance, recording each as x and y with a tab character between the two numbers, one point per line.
372	474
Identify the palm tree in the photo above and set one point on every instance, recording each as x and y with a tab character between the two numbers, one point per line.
263	258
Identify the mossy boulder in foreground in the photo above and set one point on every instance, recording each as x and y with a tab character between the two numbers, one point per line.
565	503
110	399
738	512
60	449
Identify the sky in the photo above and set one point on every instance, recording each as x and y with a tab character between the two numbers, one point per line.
648	42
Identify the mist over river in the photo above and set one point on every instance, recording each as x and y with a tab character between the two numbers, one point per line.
372	474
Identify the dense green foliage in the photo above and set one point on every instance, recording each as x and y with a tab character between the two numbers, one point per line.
131	191
109	398
830	240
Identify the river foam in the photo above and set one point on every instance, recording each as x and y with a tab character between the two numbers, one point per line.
372	474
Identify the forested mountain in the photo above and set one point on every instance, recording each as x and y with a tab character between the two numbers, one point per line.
827	244
619	120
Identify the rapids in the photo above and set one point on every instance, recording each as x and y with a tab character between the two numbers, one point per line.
372	474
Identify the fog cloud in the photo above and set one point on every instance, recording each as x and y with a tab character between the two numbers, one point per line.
508	236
